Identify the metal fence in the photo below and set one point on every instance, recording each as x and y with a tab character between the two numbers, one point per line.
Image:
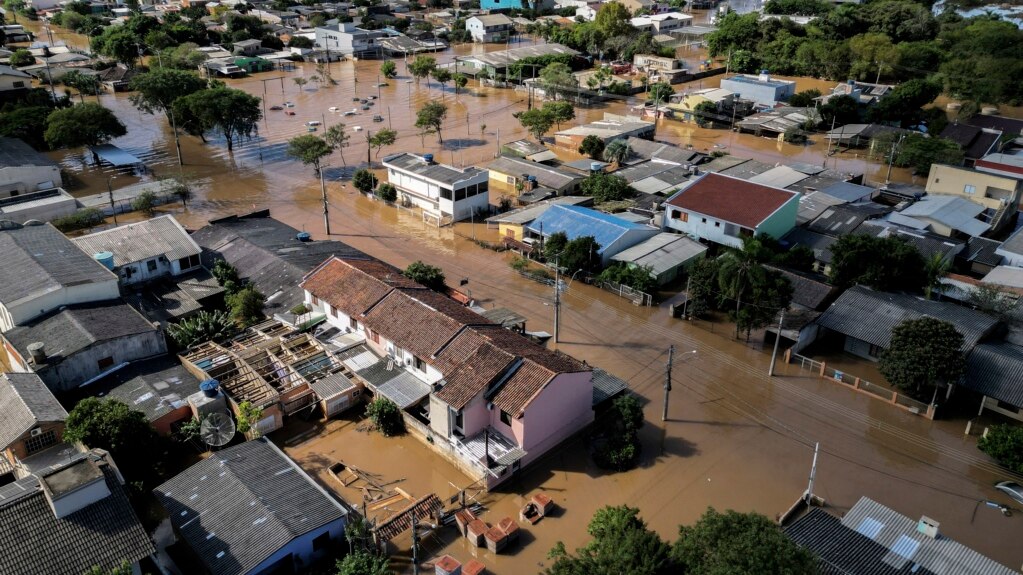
895	398
635	296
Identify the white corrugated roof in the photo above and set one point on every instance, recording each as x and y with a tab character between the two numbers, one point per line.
162	236
662	252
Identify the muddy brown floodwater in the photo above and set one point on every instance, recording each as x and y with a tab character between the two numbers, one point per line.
735	438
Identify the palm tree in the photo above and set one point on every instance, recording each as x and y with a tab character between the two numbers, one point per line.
741	272
935	268
617	151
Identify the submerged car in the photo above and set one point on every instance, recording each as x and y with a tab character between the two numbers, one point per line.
1012	489
276	107
378	118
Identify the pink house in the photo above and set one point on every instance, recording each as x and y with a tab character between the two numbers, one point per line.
492	401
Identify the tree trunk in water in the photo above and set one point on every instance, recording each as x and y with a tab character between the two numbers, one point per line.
230	144
439	137
738	303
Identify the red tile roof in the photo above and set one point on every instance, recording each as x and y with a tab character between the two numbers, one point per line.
353	286
733	200
472	377
514	396
412	325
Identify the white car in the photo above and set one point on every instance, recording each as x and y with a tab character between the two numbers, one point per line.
350	113
357	128
312	123
333	109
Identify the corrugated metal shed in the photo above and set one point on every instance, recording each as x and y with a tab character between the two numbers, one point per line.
662	252
996	370
779	177
162	236
606	386
955	212
907	546
579	222
869	316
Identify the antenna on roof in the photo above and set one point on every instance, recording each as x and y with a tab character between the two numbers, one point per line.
217	429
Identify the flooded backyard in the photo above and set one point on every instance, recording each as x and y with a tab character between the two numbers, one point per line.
735	438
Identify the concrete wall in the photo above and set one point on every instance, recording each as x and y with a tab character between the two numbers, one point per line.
14	83
626	241
26	310
763	94
144	271
782	220
858	347
428	195
18	451
24	179
989	190
560	410
83	366
299	551
701	226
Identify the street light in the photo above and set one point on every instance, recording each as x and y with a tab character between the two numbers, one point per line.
110	193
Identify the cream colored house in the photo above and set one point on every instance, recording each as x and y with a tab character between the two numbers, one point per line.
1000	195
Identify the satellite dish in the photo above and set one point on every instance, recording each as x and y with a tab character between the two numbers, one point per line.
217	430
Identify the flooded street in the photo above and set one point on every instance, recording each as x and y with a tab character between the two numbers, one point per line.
735	439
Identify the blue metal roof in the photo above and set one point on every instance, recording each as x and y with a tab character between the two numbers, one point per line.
114	155
579	222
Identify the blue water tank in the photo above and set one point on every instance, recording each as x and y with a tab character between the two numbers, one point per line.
210	387
105	258
428	158
303	236
531	178
596	166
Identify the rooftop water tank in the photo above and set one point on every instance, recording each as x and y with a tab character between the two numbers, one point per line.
105	258
428	158
210	387
989	110
303	236
596	166
765	76
531	178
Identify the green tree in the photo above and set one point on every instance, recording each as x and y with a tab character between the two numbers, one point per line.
839	111
804	99
246	305
460	81
742	277
232	113
21	57
27	123
604	187
1004	442
442	75
923	354
704	113
617	151
145	203
797	7
735	32
388	69
991	299
430	118
582	253
613	19
554	245
309	149
86	124
560	112
111	425
903	105
873	54
659	92
739	544
425	274
383	138
703	287
592	146
248	416
537	121
119	43
636	277
621	543
387	192
421	67
302	42
556	79
83	83
386	415
364	181
920	152
936	267
363	562
201	327
337	138
226	275
886	264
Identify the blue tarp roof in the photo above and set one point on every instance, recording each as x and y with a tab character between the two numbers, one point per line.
113	155
578	222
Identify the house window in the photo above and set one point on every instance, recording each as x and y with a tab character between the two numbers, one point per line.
717	224
703	220
373	336
321	542
316	301
105	362
189	262
459	420
418	363
875	350
505	418
332	310
356	392
151	265
510	180
1008	407
19	84
353	323
40	441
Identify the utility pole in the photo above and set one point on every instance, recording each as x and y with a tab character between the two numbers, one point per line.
777	338
177	141
110	192
557	299
667	381
685	304
813	473
415	543
323	193
891	158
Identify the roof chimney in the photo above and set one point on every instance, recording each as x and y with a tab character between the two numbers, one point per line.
928	527
765	75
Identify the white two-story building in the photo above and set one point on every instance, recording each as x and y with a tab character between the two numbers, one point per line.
445	193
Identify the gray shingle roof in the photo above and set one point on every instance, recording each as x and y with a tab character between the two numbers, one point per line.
267	254
16	153
242	504
34	540
996	370
870	316
77	327
141	241
433	171
545	175
843	551
154	387
39	259
25	402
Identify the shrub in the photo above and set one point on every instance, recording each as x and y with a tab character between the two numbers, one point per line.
1005	444
387	192
519	264
246	305
203	326
430	276
145	203
618	447
80	220
386	416
364	181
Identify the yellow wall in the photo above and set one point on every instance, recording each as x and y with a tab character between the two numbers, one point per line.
952	180
510	230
